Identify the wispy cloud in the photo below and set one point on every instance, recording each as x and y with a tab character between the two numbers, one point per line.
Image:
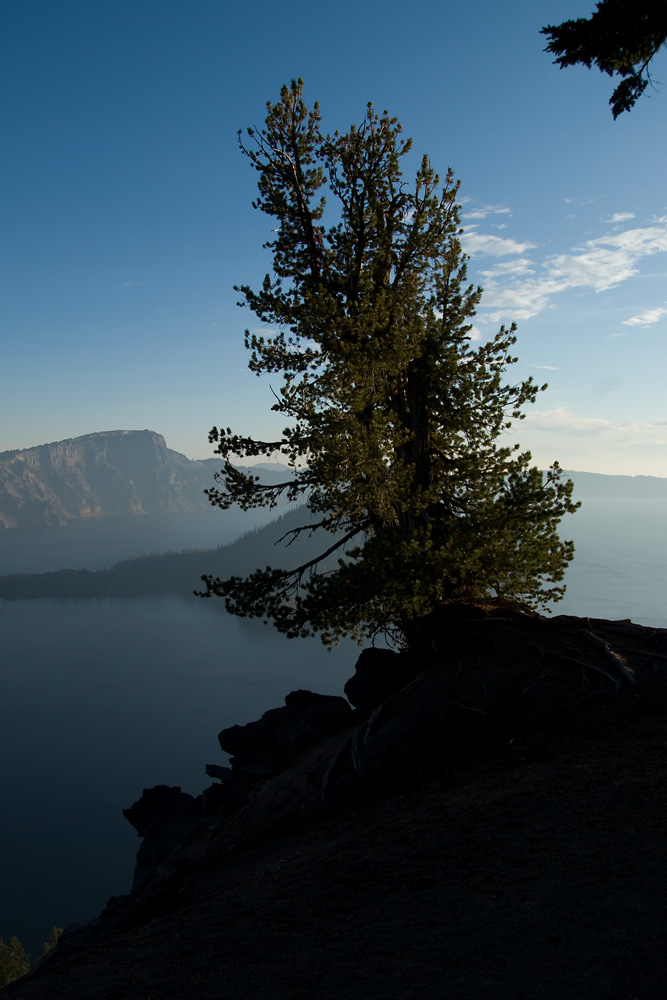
561	419
646	318
517	302
484	211
620	217
518	267
596	267
514	289
548	368
495	246
640	242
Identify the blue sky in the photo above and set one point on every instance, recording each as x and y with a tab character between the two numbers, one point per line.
127	220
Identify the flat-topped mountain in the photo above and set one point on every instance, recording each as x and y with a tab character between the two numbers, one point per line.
101	475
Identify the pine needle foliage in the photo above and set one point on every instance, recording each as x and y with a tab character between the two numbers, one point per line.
621	37
397	421
51	941
14	961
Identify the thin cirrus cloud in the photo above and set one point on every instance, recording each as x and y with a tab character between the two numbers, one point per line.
484	211
560	418
620	217
494	246
646	318
517	267
515	289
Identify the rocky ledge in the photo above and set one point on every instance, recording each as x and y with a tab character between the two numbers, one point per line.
487	821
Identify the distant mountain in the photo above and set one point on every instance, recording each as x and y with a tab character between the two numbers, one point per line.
103	475
595	484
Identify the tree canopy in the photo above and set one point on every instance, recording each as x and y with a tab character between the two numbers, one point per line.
620	37
397	419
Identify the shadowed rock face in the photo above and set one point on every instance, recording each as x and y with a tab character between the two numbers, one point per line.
278	740
100	475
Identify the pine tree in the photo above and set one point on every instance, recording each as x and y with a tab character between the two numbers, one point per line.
397	432
14	961
52	940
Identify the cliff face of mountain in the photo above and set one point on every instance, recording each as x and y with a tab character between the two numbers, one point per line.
99	475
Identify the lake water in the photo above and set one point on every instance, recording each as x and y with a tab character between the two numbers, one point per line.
102	698
620	564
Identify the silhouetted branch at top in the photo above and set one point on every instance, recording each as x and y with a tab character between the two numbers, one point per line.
620	37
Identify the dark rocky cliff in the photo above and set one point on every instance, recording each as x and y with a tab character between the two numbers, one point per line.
100	475
489	823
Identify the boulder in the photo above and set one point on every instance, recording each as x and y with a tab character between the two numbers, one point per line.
378	673
266	747
162	816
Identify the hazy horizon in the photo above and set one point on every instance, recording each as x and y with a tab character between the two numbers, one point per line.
250	463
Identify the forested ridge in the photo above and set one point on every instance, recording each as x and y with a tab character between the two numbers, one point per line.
165	573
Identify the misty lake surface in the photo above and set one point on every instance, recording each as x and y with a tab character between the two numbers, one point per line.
102	698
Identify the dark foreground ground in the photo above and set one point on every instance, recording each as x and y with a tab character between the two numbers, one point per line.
522	859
